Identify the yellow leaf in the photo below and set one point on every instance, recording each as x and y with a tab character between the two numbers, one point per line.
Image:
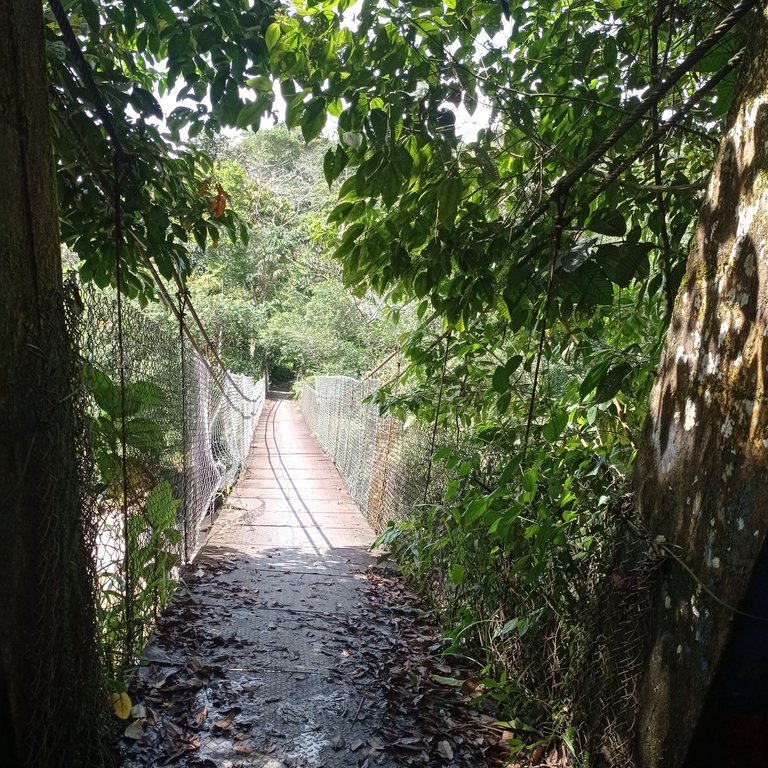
121	703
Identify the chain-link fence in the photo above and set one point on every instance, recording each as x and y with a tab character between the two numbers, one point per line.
167	431
384	463
579	652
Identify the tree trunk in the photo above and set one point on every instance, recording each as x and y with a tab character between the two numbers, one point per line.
50	695
702	474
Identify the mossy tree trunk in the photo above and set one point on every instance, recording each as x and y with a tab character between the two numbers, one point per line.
50	697
702	474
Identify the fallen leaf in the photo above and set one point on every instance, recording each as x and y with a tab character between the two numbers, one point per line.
225	721
121	704
472	688
135	730
200	716
242	749
445	750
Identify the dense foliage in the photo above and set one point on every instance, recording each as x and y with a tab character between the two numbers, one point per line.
277	298
541	255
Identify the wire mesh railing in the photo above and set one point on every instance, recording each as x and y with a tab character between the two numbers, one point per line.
581	650
167	432
384	462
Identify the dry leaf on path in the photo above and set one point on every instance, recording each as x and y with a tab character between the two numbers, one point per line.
226	721
200	716
135	730
121	704
445	750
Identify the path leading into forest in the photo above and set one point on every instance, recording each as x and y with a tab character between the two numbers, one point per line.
288	647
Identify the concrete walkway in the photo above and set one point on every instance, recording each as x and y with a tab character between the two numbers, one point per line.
263	641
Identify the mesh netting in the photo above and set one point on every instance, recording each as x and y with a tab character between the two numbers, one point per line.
582	658
168	433
385	465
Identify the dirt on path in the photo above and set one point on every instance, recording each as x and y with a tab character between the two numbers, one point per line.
287	646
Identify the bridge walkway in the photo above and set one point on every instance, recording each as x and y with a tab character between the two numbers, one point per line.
262	652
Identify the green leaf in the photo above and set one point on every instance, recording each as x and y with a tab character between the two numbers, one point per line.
607	222
144	435
349	188
593	284
623	263
179	46
379	120
273	35
403	161
421	284
329	167
250	114
313	121
475	510
105	392
200	232
594	377
530	478
509	626
610	384
513	364
161	506
91	14
261	83
340	212
389	184
143	395
450	681
352	232
456	573
500	380
555	426
448	198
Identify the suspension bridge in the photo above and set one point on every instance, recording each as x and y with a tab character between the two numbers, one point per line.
265	620
232	530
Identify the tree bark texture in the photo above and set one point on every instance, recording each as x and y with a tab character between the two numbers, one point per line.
50	695
702	473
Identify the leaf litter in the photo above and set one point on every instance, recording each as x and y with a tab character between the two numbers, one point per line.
206	696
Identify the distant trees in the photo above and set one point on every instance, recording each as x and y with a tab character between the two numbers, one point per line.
277	296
